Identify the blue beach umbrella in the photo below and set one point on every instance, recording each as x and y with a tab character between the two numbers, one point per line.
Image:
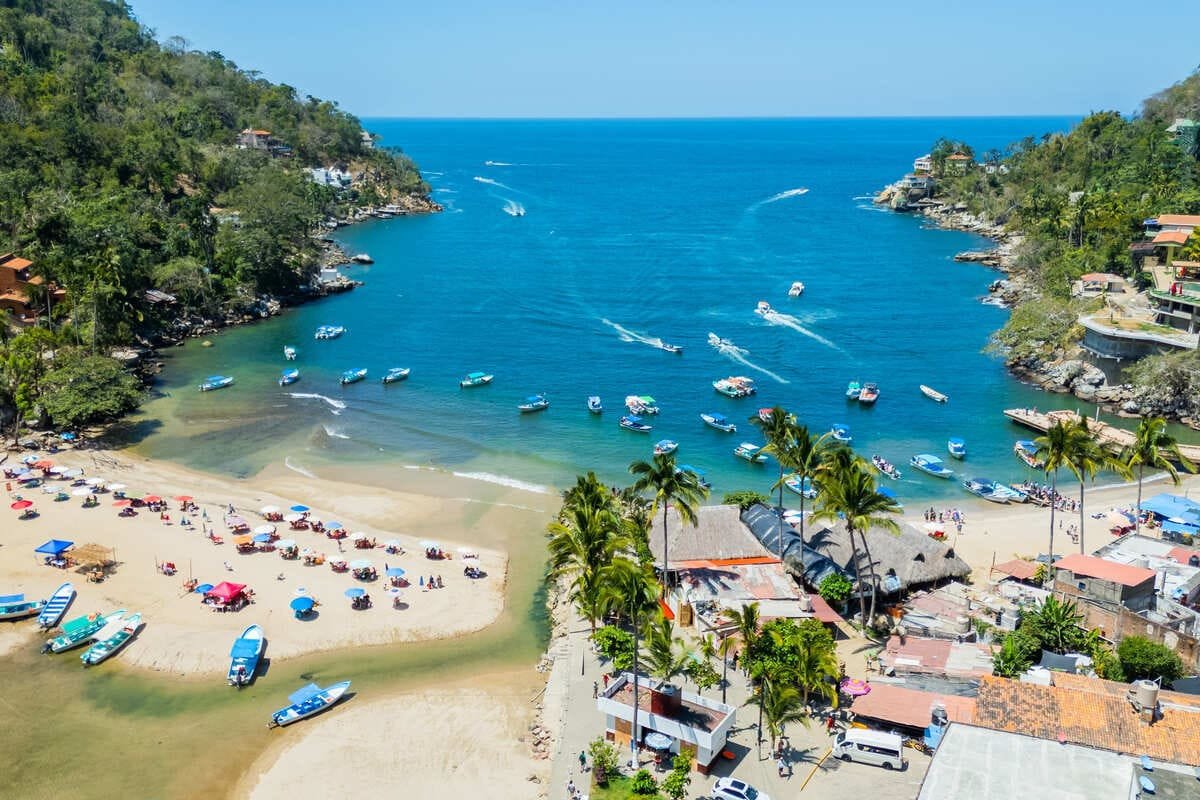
54	547
333	526
301	604
354	591
395	572
203	588
262	537
299	509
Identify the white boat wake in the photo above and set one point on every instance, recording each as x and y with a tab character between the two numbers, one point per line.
500	480
497	184
334	433
338	405
496	164
784	195
788	321
738	354
627	335
513	208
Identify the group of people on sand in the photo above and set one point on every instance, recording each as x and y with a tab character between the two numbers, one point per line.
432	583
435	553
952	515
1045	495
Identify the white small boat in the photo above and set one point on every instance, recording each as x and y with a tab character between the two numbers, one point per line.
352	376
796	289
957	447
289	352
396	374
665	447
985	488
885	467
289	376
853	390
307	701
214	382
933	394
763	308
751	452
535	402
634	423
474	379
329	332
1027	452
594	405
931	465
671	348
56	606
719	422
793	484
244	656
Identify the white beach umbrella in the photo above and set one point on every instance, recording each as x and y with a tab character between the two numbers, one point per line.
292	517
264	529
284	544
301	591
82	491
74	472
271	510
118	487
428	545
354	537
56	470
95	482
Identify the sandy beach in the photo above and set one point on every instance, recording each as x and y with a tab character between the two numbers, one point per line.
184	637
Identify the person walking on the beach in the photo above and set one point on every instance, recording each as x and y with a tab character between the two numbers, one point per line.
604	677
582	760
595	690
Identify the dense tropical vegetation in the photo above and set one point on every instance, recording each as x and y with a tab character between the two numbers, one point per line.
119	173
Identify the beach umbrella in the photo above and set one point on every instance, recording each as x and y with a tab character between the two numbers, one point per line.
54	547
203	588
94	481
122	503
299	509
354	537
657	741
354	591
183	498
152	498
56	470
394	591
43	464
428	545
306	551
333	526
262	538
269	510
292	517
301	604
21	505
20	471
73	472
395	572
49	489
284	544
362	563
267	529
118	487
82	491
855	687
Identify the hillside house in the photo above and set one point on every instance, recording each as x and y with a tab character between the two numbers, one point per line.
20	290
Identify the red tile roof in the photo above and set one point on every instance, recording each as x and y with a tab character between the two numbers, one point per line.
1182	554
1172	237
1018	568
1091	712
899	705
958	157
1094	567
1178	219
823	611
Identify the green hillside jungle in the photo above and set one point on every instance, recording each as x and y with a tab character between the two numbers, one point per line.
1080	199
120	172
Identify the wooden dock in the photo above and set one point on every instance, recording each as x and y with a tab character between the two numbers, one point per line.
1112	436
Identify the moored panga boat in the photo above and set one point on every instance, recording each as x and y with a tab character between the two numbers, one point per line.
735	386
352	376
933	394
840	432
329	332
1027	452
806	488
535	402
396	374
214	382
751	452
665	447
79	630
853	390
869	394
289	352
56	606
474	379
885	467
594	405
289	376
985	488
244	656
112	638
957	447
306	701
632	422
931	465
15	606
719	422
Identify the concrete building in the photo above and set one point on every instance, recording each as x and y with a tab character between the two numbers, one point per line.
1104	582
19	289
685	718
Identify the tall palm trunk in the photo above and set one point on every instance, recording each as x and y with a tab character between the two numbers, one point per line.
1137	522
858	575
1081	550
780	512
803	478
664	575
1053	506
724	671
871	571
636	738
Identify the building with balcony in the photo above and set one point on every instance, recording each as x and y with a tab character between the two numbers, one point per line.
20	290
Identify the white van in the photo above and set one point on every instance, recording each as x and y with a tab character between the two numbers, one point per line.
870	747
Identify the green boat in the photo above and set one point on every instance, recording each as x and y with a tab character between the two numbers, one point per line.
77	631
115	635
474	379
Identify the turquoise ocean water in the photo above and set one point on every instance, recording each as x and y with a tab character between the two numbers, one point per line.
633	232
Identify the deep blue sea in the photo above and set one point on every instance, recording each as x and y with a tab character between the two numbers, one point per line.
633	232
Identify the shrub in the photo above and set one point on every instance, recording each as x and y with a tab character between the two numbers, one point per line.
1142	658
703	674
604	760
644	783
745	498
835	588
616	645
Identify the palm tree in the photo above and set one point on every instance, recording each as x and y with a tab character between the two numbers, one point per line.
1155	448
581	546
587	492
666	655
630	588
779	429
746	626
1060	447
670	484
725	649
1057	625
848	490
1091	458
817	662
779	704
808	458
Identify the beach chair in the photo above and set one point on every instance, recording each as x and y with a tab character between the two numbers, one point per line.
216	539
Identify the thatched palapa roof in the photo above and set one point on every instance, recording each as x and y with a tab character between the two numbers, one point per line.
718	535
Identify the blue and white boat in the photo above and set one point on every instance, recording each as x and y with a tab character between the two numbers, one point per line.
289	352
213	382
289	376
306	701
15	606
986	488
853	390
474	379
244	656
79	630
110	639
352	376
808	489
594	404
396	374
56	606
665	447
631	422
696	473
931	465
329	332
751	452
535	402
957	447
1027	452
719	422
841	433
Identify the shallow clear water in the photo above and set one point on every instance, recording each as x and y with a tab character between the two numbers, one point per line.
634	231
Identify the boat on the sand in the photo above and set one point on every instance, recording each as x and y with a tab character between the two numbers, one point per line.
244	655
307	701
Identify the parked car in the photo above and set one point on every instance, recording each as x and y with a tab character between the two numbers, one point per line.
733	789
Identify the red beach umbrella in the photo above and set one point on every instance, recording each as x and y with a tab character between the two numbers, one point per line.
122	503
183	498
43	464
152	498
21	505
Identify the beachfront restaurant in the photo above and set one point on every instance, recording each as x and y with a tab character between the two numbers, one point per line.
669	718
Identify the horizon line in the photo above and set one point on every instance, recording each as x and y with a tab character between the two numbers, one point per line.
711	118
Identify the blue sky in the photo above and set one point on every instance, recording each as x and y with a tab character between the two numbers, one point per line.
665	58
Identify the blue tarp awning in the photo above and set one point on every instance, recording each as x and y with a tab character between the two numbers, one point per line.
1170	505
1180	527
55	546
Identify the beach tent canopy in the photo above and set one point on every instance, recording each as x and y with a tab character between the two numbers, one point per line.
54	547
284	544
267	529
1169	505
269	510
302	604
225	591
262	538
300	509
